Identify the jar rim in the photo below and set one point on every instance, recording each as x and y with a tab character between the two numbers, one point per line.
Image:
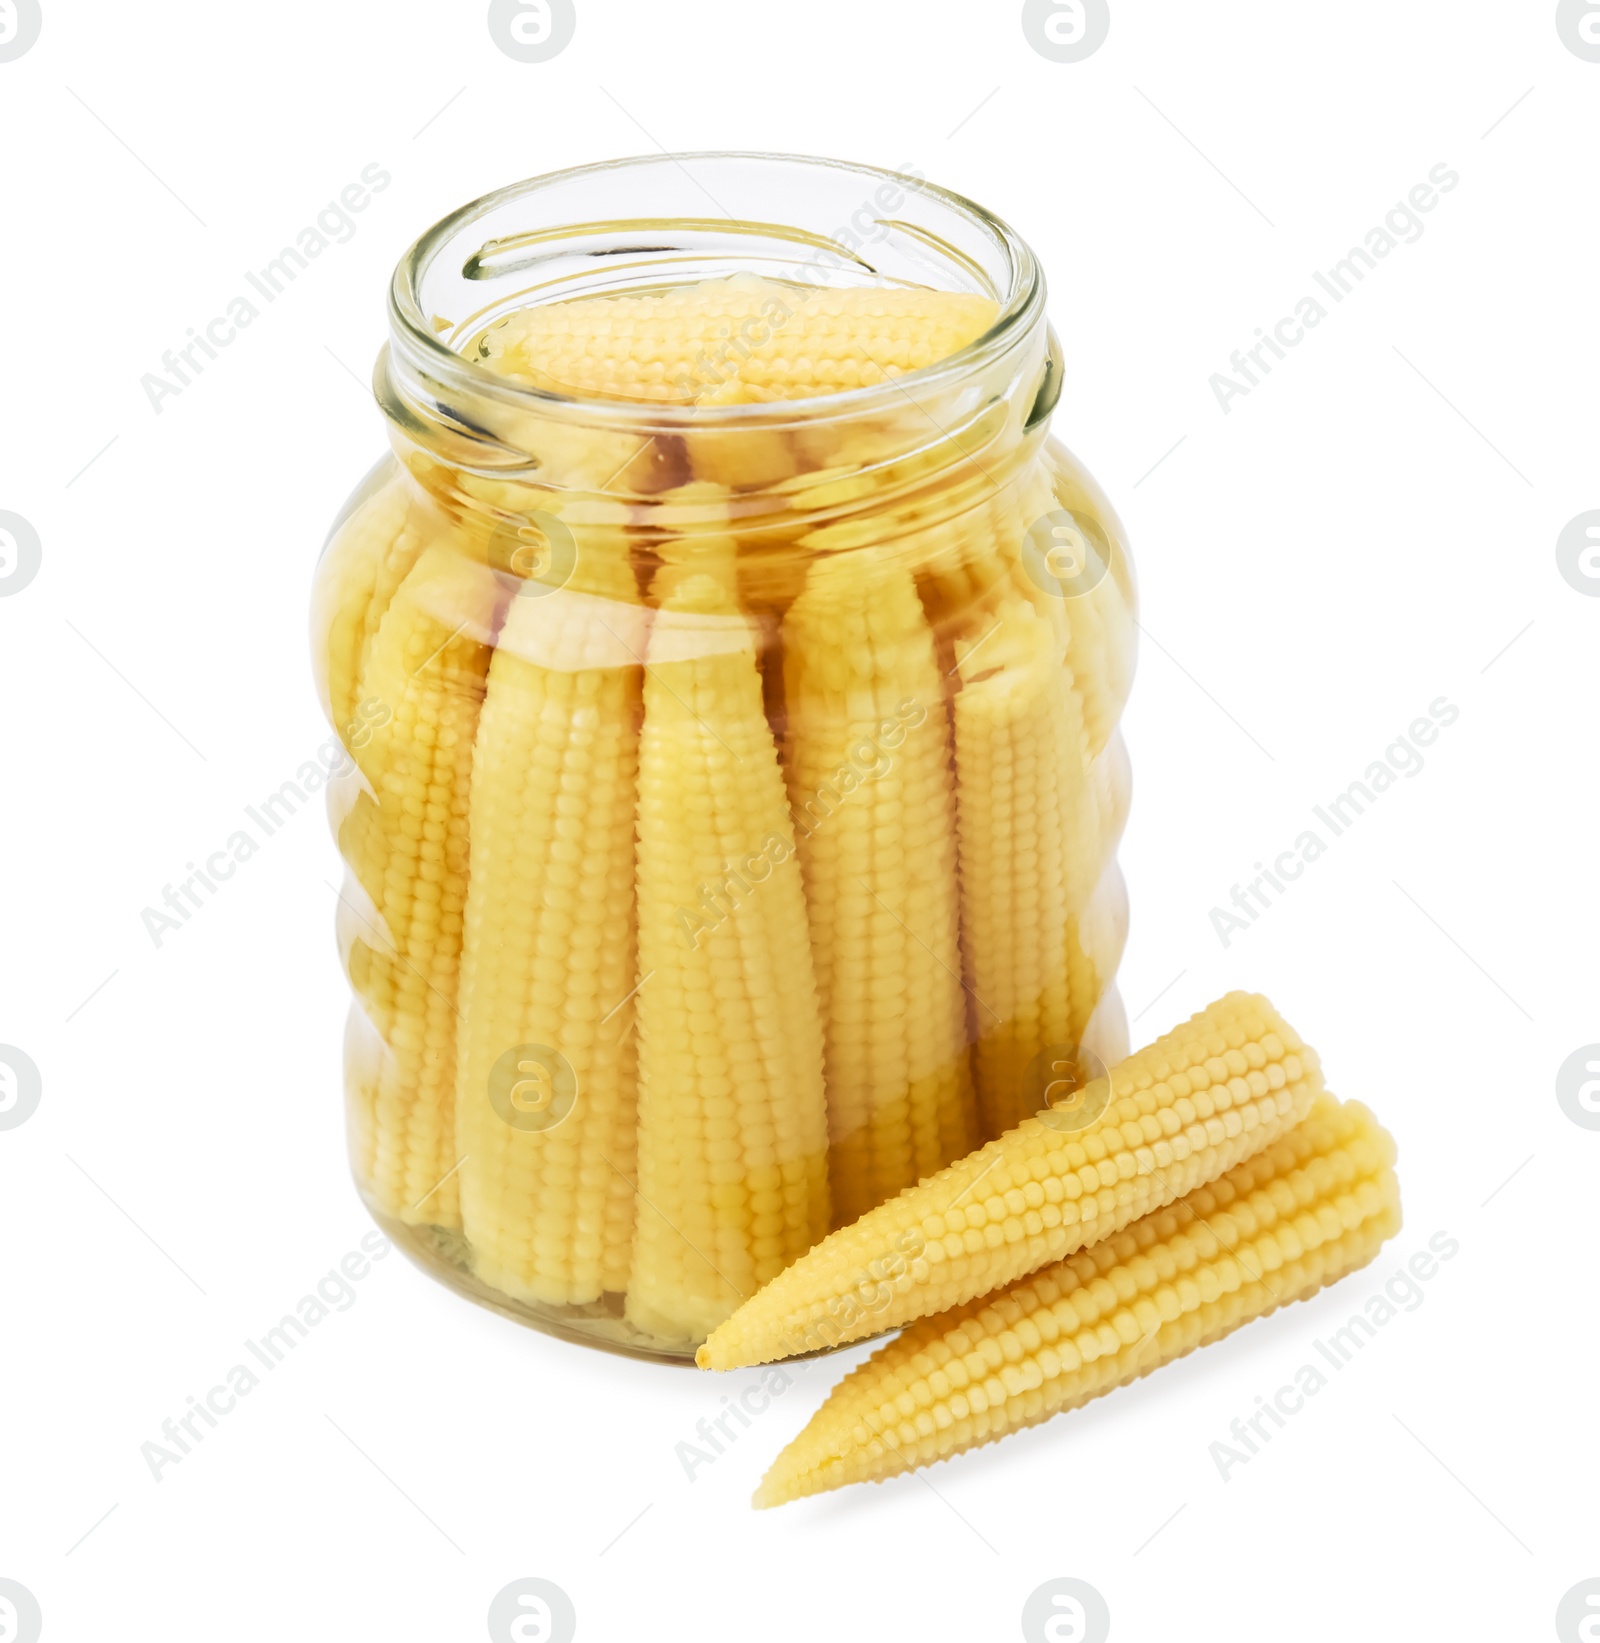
1021	306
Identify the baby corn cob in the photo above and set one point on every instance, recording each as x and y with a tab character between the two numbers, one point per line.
732	340
1067	524
1170	1118
738	458
1317	1204
1102	655
962	563
405	840
1030	852
368	556
732	1116
550	949
868	759
1020	548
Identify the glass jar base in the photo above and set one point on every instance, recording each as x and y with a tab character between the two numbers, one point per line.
444	1254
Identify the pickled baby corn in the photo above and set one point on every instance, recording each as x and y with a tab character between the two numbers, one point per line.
1049	538
868	763
1318	1203
963	563
406	842
1038	816
732	1119
1066	542
550	952
1030	853
1172	1117
376	548
732	341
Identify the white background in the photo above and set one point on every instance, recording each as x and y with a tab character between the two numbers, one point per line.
1367	531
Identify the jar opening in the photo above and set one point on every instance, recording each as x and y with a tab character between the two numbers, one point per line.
628	227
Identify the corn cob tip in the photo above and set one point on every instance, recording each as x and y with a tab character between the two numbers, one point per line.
1203	1098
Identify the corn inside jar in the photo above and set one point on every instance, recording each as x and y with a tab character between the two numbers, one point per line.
730	664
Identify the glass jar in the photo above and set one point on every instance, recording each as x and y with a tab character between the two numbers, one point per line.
736	784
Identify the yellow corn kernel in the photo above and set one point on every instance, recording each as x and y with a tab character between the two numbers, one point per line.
731	341
868	761
549	958
1170	1118
1030	853
405	841
1318	1203
369	554
732	1115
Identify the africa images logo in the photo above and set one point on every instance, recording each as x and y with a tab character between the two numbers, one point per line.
20	22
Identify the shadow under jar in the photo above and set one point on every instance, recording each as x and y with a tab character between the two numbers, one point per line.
732	691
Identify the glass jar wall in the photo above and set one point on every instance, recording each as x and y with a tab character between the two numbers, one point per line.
731	667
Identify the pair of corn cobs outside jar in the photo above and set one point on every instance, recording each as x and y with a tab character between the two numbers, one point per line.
730	664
